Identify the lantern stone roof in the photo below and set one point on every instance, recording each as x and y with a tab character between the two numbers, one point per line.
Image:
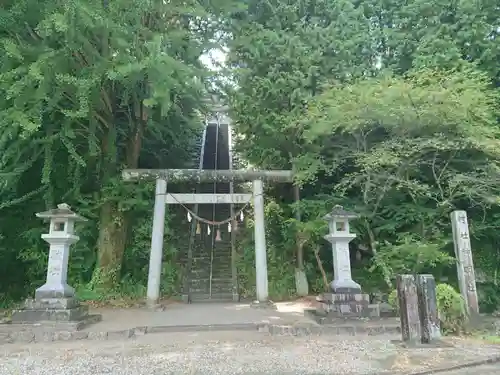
63	211
338	212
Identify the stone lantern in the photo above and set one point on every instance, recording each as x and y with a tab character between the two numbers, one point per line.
55	300
60	237
345	298
339	237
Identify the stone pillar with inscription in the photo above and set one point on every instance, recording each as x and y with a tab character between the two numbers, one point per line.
55	301
411	329
465	265
427	301
345	298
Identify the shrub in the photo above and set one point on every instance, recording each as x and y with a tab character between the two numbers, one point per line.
451	309
393	300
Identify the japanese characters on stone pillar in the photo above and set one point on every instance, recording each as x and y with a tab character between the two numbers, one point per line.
427	301
408	308
465	265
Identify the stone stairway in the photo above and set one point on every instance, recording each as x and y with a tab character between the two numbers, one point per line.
211	274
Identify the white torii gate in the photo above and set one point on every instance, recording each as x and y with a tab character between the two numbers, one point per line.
162	199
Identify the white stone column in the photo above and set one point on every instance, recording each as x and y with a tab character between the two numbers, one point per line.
60	237
465	265
156	255
260	242
56	285
342	282
339	237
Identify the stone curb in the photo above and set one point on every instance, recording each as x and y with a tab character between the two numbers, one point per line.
481	362
29	335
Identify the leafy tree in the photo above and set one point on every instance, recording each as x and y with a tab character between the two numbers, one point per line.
91	87
402	127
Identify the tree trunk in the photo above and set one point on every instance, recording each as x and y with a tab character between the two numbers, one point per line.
300	243
373	247
321	269
110	246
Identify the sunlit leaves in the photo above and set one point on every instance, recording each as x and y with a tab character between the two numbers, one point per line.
459	102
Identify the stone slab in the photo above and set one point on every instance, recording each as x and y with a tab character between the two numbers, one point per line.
344	297
22	333
44	328
64	292
350	309
55	315
51	303
344	290
347	305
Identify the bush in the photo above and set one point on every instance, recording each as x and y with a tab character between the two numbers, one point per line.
393	300
451	308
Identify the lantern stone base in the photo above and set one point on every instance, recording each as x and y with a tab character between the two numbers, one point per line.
66	312
345	287
347	305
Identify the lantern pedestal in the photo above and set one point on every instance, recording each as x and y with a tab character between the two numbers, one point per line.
345	299
55	302
346	305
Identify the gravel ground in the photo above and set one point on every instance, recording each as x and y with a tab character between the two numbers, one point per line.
221	353
481	370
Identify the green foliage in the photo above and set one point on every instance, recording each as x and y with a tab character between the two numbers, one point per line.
451	309
489	297
87	89
411	257
394	301
388	108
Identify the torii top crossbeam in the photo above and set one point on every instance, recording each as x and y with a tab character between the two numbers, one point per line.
202	175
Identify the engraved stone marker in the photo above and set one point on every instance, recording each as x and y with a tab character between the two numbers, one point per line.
408	308
465	266
426	288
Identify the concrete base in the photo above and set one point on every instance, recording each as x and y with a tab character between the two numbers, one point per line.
53	312
347	305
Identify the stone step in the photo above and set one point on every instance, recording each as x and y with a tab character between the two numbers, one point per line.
206	290
215	281
225	280
216	284
215	260
216	271
205	297
205	268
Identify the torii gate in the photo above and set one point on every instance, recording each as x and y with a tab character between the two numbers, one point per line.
162	176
